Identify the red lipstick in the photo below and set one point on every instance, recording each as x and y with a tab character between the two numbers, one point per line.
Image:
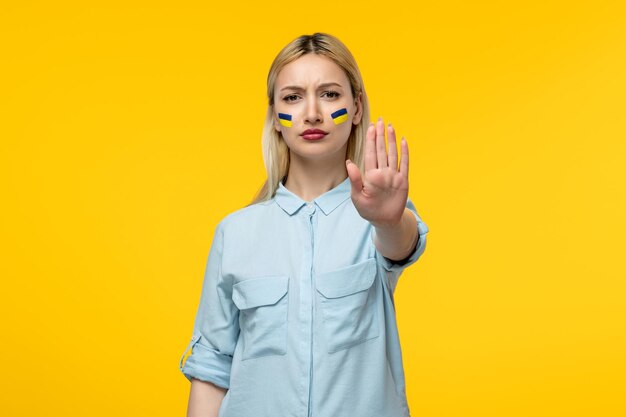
313	134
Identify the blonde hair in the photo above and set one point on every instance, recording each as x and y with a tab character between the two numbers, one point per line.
275	150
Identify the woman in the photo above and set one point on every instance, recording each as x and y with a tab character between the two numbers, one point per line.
296	316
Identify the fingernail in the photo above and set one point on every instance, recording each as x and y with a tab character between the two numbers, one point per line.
389	125
380	118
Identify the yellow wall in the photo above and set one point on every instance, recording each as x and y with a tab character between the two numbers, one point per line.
128	131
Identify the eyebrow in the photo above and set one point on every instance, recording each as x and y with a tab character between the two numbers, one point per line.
298	88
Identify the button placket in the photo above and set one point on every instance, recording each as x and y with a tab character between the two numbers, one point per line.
310	211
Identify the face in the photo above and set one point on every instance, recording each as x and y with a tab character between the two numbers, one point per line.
314	109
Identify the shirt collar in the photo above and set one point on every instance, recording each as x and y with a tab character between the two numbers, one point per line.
328	201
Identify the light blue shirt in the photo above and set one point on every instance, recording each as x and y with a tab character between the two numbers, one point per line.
296	315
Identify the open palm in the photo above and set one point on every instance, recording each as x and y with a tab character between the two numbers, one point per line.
381	193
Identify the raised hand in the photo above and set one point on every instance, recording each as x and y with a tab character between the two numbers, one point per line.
381	193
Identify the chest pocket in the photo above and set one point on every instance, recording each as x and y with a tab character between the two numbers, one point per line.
348	305
263	305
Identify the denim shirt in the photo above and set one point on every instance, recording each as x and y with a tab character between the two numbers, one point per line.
296	315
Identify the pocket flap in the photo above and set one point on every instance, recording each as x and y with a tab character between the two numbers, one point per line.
347	280
260	291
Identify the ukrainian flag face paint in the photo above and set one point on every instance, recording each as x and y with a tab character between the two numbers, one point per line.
339	116
285	119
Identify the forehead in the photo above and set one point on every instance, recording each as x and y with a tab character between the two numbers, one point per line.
309	70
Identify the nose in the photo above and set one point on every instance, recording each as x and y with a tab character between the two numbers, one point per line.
312	113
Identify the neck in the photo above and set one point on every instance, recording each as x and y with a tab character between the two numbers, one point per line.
308	179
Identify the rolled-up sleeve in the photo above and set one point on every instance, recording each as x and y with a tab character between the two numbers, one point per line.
398	266
216	326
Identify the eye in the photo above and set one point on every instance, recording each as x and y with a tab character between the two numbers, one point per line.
332	94
290	98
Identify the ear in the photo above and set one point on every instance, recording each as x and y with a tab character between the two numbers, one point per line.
359	110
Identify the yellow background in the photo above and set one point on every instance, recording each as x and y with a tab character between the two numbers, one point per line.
128	130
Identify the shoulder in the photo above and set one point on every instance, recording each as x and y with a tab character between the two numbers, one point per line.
246	216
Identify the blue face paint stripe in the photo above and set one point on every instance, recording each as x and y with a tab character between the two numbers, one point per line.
338	113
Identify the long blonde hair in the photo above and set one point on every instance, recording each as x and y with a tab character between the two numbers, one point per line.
275	150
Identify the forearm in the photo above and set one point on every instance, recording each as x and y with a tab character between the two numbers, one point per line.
205	399
398	241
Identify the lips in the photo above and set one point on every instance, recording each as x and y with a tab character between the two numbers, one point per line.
313	134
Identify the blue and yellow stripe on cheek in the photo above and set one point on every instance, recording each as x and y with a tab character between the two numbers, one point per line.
285	119
339	116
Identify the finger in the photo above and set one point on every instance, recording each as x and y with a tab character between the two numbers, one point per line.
355	177
404	160
381	154
370	148
393	148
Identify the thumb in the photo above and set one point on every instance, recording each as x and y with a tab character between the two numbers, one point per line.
355	178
